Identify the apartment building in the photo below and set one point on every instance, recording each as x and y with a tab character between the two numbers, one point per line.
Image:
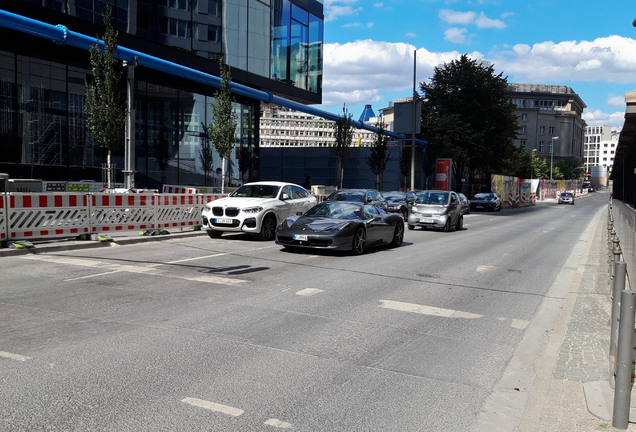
271	45
549	114
600	147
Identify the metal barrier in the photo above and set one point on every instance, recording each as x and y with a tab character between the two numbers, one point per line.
36	215
27	216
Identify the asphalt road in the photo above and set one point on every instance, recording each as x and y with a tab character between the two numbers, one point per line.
235	334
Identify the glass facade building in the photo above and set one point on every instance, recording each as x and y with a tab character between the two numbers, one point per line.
273	45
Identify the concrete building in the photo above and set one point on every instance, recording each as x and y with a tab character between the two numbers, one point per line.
549	113
600	147
271	45
283	127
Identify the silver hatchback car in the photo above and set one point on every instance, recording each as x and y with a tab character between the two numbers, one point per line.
566	198
437	209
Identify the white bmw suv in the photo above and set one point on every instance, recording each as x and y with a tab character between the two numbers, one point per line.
256	208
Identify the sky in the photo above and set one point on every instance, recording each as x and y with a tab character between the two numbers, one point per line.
587	45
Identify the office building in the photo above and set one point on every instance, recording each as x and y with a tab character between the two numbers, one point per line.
271	45
600	147
549	114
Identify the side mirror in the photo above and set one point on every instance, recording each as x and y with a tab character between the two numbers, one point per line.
376	219
299	213
285	196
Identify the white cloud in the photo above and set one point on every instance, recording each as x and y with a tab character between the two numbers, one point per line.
608	59
599	118
336	8
456	35
485	22
378	5
411	35
369	24
453	17
507	14
617	101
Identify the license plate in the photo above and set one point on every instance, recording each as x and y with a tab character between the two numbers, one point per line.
223	221
426	220
300	237
480	206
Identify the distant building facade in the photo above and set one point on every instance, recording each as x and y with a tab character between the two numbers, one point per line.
284	127
549	113
600	147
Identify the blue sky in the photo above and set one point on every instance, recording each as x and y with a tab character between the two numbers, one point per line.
585	44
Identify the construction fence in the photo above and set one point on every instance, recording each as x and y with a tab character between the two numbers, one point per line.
515	192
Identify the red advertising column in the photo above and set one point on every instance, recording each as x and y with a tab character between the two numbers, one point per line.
443	174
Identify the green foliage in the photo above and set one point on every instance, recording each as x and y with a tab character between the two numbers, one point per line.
524	164
405	161
206	157
466	116
379	157
105	105
224	120
570	167
343	133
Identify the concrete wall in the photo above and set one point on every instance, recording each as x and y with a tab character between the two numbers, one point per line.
625	226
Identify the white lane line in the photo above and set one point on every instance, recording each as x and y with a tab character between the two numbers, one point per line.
213	406
207	279
63	260
483	268
309	291
90	276
427	310
519	324
12	356
278	423
197	258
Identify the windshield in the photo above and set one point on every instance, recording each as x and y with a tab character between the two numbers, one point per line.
485	196
355	196
256	191
440	198
566	194
336	210
394	196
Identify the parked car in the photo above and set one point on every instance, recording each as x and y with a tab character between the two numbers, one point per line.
364	196
411	196
437	209
465	203
485	201
256	208
566	198
397	201
341	225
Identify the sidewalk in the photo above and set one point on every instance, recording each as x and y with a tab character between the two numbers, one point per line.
572	392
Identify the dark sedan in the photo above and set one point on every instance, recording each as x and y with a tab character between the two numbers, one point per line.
485	201
363	196
343	226
398	203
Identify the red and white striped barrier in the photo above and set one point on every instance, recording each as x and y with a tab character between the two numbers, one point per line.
178	210
121	212
34	215
3	221
172	189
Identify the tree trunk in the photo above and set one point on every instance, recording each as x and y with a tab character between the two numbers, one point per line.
341	176
223	175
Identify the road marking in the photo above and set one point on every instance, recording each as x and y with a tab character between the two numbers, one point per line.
12	356
147	269
278	423
519	324
213	406
427	310
196	258
90	276
309	292
484	268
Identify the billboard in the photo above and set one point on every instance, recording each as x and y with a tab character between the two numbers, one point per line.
443	174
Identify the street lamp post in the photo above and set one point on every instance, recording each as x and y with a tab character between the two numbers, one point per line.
534	152
552	154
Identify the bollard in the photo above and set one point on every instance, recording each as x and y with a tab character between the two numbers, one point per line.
616	259
617	287
623	387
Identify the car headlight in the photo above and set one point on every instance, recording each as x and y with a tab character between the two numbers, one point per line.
337	228
252	210
208	207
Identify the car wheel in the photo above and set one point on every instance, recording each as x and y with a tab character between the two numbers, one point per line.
359	239
398	235
499	208
411	227
268	228
447	225
215	234
460	223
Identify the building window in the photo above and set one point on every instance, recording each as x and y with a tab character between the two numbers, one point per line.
542	130
524	130
523	143
551	130
541	146
214	33
524	117
214	7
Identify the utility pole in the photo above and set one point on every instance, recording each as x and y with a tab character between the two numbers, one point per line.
129	150
413	125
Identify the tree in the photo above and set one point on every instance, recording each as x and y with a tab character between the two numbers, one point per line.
379	157
105	106
224	120
206	156
405	163
570	167
466	116
343	132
